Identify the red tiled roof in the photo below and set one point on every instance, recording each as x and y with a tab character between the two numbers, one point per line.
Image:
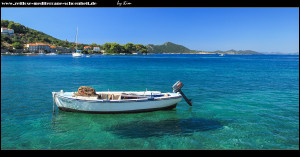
42	44
38	44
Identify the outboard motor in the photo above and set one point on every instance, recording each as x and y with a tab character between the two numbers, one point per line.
177	88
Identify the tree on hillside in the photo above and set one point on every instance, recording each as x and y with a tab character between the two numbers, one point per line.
15	39
122	49
6	38
106	47
18	28
115	48
80	47
141	48
30	39
93	45
4	23
17	45
129	47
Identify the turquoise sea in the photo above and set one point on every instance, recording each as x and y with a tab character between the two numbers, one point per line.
239	102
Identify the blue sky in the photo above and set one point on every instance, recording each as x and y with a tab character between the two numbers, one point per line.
207	29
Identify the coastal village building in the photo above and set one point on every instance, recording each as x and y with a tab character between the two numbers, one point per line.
6	31
87	48
96	49
38	47
53	49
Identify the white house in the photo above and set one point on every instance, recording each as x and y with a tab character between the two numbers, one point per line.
96	49
6	31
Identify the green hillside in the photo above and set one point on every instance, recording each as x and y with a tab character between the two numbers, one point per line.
26	35
168	47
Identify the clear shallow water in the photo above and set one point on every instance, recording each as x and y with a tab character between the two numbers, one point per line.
239	102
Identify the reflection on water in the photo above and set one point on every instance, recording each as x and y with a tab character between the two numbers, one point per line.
142	129
133	125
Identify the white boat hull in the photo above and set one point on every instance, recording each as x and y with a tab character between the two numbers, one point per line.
67	103
77	54
51	54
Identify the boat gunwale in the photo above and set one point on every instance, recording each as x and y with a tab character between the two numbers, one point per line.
120	101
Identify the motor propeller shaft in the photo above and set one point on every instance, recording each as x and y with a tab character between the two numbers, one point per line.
177	88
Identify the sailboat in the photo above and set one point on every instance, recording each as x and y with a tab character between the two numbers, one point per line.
77	53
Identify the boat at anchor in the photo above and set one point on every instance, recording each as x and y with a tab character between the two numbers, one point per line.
77	53
115	101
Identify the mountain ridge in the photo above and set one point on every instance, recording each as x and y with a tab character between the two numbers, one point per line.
169	47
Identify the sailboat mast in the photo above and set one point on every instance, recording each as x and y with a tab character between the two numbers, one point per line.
76	37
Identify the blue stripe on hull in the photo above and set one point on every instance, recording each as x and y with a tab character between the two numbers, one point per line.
116	112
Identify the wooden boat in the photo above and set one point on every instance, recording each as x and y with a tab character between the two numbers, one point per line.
116	101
